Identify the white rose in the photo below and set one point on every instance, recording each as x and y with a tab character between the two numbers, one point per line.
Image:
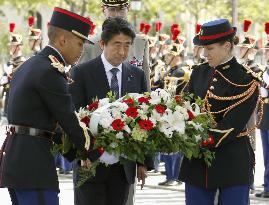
103	102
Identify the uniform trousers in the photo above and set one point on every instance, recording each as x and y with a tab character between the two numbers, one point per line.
235	195
265	147
34	197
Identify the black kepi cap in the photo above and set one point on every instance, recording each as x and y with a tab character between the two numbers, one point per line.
72	22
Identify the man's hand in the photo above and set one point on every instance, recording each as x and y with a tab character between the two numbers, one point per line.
142	174
86	163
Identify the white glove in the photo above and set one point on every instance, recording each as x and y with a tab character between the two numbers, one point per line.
264	92
4	80
107	158
266	77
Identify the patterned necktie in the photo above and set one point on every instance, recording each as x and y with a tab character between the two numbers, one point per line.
114	82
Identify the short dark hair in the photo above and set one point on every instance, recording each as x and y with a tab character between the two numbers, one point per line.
54	33
115	26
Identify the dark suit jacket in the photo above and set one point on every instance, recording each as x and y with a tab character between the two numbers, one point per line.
39	98
90	81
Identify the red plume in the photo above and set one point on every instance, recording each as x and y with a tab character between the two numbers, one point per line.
147	28
93	26
246	26
142	27
198	28
175	33
266	28
173	26
31	21
158	26
12	27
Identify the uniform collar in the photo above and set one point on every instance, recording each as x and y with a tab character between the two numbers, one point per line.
59	54
226	64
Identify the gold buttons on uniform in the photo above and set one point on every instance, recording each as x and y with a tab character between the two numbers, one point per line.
211	87
215	79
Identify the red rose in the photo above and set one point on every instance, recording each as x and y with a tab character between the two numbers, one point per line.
160	109
129	101
209	141
100	150
132	112
178	99
93	106
143	100
191	115
145	124
86	120
204	143
117	124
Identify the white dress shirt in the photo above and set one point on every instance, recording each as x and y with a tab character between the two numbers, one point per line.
109	75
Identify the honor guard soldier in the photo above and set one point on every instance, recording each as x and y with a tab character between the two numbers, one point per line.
264	126
178	75
230	92
39	100
34	36
198	57
139	52
159	68
248	50
16	59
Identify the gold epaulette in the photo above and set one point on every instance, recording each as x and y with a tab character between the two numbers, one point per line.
256	75
56	64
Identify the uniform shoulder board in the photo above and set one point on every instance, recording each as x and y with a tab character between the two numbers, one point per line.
256	75
56	64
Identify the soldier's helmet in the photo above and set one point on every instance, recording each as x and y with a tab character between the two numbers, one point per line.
115	3
214	32
177	41
249	41
34	33
14	38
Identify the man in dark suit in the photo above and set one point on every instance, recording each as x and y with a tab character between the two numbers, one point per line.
38	101
96	78
139	51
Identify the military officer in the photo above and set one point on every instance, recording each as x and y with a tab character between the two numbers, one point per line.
230	93
16	59
139	52
34	36
264	126
39	100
